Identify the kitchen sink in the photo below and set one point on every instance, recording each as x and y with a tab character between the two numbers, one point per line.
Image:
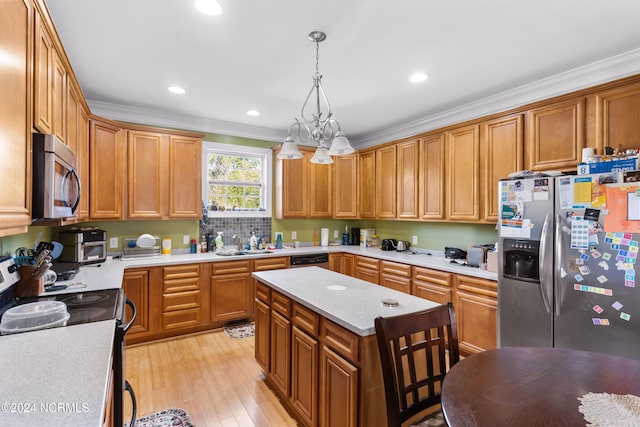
235	252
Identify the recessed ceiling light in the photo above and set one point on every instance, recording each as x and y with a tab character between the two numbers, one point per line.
253	113
418	77
209	7
176	89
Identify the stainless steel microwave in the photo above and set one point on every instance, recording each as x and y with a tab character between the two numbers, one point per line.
56	186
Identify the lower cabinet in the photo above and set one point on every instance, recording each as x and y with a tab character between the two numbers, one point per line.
136	287
395	276
183	303
476	304
231	290
262	328
367	268
304	375
338	390
433	285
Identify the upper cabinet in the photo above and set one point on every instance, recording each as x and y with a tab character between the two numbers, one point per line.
385	179
367	184
555	135
618	118
185	176
432	178
106	164
16	115
501	144
463	178
345	186
407	188
303	189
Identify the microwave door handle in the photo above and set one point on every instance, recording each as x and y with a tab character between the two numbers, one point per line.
77	201
545	274
63	186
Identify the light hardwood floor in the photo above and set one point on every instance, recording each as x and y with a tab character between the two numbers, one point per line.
211	376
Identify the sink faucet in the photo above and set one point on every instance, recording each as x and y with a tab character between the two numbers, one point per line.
235	238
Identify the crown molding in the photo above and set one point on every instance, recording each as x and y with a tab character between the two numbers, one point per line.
606	70
158	118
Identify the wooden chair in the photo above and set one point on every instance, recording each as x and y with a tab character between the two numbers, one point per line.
416	351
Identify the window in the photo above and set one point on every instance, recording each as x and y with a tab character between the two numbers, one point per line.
236	180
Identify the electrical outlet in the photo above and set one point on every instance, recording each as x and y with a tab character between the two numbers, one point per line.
335	234
415	240
294	235
113	242
185	239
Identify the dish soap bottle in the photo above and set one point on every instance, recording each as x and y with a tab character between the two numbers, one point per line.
219	242
253	241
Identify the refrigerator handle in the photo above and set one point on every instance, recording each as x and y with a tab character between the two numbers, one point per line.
545	273
558	251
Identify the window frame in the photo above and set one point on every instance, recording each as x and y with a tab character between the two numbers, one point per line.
266	154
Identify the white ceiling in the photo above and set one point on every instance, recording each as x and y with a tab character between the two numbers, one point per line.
482	57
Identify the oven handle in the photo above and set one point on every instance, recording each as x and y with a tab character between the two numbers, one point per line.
134	405
133	317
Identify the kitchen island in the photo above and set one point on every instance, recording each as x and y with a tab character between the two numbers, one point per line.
316	343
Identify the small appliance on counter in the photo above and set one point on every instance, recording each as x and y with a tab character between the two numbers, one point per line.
389	244
86	245
455	255
402	246
477	254
355	236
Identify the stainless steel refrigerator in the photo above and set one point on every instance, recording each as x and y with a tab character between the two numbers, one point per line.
567	263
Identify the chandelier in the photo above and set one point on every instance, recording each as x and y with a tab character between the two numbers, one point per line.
321	128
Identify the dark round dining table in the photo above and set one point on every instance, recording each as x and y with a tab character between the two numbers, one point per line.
527	386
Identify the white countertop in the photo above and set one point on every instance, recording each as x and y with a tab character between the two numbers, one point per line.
347	301
56	377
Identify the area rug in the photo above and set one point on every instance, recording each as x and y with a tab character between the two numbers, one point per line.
167	418
243	330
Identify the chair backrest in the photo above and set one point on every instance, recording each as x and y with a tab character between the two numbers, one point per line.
416	351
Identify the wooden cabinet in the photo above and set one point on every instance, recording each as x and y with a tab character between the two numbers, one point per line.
463	174
395	276
367	184
345	186
433	285
407	190
163	175
43	79
431	180
262	346
184	304
385	178
135	283
618	118
342	263
231	291
555	136
16	21
59	97
304	363
502	144
338	390
476	303
303	189
367	269
280	365
106	166
82	156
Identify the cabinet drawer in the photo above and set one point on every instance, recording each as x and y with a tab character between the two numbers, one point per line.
281	304
396	269
270	263
230	267
369	263
339	339
305	319
181	319
180	300
263	292
180	278
433	276
476	285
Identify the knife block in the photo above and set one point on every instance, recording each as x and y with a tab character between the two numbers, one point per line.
29	285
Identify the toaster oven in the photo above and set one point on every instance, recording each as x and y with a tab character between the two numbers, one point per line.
84	246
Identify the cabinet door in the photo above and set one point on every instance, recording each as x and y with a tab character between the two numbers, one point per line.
432	177
262	334
320	190
280	352
185	177
146	173
304	375
432	285
106	166
43	66
338	390
407	179
476	306
73	107
349	261
345	186
335	263
396	276
617	118
463	177
15	115
502	149
555	136
82	156
59	97
367	184
136	287
231	296
386	182
293	189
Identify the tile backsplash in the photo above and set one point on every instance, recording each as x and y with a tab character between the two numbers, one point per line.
242	227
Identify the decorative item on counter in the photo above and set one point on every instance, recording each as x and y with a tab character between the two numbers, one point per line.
315	237
166	246
219	242
193	247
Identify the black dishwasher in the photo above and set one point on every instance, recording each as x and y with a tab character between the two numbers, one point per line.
310	260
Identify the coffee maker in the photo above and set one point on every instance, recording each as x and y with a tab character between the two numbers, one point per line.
355	236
